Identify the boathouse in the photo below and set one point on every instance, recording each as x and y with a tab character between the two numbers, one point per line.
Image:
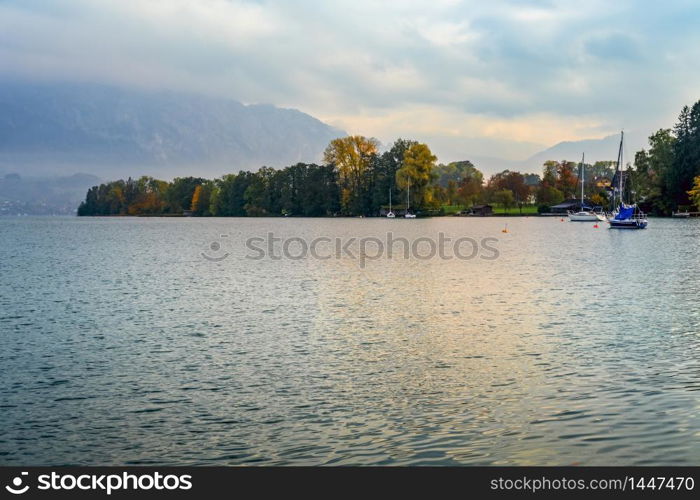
481	210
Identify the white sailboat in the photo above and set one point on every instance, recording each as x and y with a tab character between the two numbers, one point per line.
390	215
408	214
625	216
584	215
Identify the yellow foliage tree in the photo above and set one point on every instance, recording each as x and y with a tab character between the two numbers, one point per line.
196	197
694	193
352	157
417	170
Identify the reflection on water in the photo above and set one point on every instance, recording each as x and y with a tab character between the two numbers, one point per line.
122	345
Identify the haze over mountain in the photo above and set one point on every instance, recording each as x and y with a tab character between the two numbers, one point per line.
55	195
595	150
602	149
113	132
51	132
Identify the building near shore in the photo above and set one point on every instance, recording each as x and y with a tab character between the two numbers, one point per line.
573	205
481	210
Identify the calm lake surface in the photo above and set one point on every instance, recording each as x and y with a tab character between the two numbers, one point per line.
121	344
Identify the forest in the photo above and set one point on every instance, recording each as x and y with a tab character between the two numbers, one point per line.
357	179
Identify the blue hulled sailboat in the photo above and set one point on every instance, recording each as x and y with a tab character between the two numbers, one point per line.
624	216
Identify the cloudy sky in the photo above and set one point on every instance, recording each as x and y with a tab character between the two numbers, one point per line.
497	78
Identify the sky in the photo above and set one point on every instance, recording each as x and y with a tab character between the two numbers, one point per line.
497	78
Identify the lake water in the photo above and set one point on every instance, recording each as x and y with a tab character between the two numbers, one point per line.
121	344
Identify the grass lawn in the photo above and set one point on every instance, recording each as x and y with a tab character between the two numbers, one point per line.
527	210
452	209
497	209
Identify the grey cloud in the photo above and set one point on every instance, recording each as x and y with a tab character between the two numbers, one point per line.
562	58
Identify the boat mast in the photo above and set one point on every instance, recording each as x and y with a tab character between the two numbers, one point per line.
619	166
389	198
408	196
583	163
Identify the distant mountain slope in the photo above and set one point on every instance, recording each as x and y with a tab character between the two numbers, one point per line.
43	196
595	150
113	132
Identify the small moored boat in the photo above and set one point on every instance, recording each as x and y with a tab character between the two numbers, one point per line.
625	216
391	214
628	217
584	215
408	214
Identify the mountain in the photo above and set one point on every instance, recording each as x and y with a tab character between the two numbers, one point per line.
114	132
43	196
595	150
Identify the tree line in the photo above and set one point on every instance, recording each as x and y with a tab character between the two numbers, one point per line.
666	177
356	179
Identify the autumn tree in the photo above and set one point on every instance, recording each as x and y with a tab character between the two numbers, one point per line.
352	157
471	187
694	193
567	179
196	196
417	173
179	194
201	199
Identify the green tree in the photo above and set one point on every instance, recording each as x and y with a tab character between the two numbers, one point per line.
686	156
653	175
454	171
549	173
505	198
179	195
230	199
548	196
451	192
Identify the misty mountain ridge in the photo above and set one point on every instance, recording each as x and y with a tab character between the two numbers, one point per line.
604	149
58	195
115	132
60	129
48	132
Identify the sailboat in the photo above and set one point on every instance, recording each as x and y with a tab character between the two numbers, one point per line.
390	215
408	214
584	215
624	216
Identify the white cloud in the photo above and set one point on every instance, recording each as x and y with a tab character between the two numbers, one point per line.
531	73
